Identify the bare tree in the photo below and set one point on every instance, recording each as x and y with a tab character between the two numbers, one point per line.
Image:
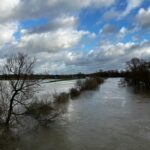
133	64
16	92
139	72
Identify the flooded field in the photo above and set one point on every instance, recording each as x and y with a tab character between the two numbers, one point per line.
110	118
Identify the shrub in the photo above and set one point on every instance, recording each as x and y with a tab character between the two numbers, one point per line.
99	80
82	85
79	84
38	110
60	98
91	83
74	92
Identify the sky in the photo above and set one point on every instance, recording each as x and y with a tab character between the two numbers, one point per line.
67	36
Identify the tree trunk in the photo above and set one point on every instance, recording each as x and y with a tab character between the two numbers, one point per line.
10	109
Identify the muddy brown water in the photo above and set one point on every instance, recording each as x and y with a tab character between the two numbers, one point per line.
110	118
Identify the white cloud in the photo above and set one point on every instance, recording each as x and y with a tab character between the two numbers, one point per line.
7	31
122	32
109	56
8	7
132	4
61	22
105	56
54	44
112	13
143	18
55	63
52	41
102	3
108	29
28	9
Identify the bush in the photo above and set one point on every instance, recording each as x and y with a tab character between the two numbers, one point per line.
99	80
74	92
79	84
60	98
38	110
82	85
91	83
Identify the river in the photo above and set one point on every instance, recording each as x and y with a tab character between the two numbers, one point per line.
110	118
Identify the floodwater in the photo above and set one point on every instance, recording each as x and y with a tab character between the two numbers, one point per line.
110	118
58	86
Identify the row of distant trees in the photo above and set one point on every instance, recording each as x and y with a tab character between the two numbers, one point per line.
137	69
138	73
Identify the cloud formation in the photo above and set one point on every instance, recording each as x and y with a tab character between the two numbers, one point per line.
70	40
143	18
105	56
25	9
131	4
7	31
52	41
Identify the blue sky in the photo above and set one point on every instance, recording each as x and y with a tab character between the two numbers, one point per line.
75	36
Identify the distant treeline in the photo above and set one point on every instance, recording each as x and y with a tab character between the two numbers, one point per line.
137	72
110	73
106	74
